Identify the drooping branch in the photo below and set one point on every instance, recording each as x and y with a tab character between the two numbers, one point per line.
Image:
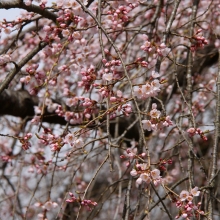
30	8
18	66
204	58
189	89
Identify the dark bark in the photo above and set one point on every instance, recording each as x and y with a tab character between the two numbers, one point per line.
21	104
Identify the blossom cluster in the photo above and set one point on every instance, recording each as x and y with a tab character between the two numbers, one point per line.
161	50
48	205
17	22
5	58
110	71
39	164
131	153
88	77
118	16
32	71
145	175
25	141
198	41
186	206
88	204
73	141
156	122
194	131
42	3
150	89
56	142
86	106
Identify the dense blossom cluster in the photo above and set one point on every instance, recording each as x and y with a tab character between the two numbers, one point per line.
198	40
156	121
145	175
186	206
150	89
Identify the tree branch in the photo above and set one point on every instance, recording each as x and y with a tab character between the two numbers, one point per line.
30	8
11	75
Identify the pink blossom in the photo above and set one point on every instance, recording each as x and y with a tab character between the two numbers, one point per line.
78	143
155	74
25	79
69	138
108	76
119	93
76	35
65	32
145	177
154	113
147	90
147	125
184	195
168	121
191	131
155	174
156	85
138	92
133	172
132	152
5	58
36	120
7	31
71	101
189	198
138	181
195	191
154	106
184	215
146	46
49	205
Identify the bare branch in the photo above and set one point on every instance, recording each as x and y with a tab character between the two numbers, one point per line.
12	74
30	8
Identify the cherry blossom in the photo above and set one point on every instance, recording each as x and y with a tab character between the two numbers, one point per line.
98	96
108	77
184	195
195	191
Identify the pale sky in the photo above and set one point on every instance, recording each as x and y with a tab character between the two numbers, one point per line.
13	13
